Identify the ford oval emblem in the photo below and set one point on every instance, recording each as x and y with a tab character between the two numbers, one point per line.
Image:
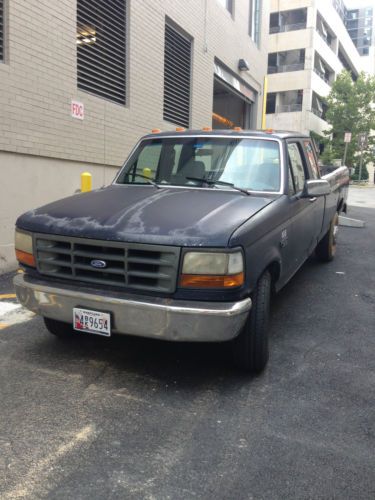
99	264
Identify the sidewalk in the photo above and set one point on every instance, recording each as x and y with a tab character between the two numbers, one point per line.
361	197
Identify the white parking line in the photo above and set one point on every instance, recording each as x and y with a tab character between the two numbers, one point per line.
12	313
6	307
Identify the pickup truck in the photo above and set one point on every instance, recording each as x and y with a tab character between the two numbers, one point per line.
188	243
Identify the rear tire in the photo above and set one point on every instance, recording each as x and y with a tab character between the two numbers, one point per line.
326	248
58	328
250	348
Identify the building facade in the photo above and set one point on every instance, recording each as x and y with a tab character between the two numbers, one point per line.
82	80
360	23
309	45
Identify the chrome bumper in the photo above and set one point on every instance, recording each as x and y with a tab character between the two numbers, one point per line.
139	315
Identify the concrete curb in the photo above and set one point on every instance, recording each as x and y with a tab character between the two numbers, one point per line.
345	221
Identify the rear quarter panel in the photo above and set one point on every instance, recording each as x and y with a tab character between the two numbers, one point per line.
339	182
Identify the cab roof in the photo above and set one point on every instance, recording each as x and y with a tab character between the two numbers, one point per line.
277	134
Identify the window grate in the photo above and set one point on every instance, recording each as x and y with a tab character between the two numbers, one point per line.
1	30
101	48
177	74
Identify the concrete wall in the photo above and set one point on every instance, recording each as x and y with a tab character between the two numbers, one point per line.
43	149
30	181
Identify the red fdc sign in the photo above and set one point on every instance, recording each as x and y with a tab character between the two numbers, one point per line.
77	110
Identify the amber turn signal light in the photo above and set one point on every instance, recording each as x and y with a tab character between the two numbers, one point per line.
211	281
25	258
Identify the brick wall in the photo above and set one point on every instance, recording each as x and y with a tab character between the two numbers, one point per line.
38	80
43	149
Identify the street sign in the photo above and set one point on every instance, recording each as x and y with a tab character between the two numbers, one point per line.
77	110
347	137
362	140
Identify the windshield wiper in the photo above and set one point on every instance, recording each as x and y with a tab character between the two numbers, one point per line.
211	182
150	181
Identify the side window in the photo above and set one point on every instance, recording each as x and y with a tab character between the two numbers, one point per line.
296	165
313	165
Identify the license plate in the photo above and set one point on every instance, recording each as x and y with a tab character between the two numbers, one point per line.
85	320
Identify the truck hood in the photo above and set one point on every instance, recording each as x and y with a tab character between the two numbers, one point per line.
144	214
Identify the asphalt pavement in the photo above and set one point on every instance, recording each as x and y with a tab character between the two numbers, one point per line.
128	418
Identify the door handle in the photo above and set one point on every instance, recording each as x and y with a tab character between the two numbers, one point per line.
311	200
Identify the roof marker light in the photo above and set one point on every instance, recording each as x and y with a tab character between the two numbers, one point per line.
180	129
237	129
155	131
207	129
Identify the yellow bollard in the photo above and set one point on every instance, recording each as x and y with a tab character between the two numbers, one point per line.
147	172
86	182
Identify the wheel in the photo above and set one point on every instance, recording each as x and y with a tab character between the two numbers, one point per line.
326	248
58	328
250	348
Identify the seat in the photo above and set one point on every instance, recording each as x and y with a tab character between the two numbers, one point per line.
193	168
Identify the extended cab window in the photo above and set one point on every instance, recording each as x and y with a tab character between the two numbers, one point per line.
313	164
296	166
248	163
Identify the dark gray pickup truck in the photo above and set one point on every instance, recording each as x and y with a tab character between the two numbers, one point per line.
187	244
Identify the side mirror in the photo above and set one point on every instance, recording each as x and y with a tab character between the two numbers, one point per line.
314	188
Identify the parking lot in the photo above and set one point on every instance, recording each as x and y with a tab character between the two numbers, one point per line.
134	418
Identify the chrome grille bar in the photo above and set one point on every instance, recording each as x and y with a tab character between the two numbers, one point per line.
128	265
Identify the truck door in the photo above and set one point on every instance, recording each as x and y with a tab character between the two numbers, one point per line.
306	223
313	171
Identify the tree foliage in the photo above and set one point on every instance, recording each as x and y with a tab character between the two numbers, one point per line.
350	109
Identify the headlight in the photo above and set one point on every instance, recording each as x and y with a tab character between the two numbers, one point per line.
212	270
24	248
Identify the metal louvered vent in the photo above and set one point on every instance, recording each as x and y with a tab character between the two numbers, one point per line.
1	30
101	48
177	72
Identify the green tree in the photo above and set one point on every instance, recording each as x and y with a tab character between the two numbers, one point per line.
350	109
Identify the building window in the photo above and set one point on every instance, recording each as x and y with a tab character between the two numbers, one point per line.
101	48
1	30
289	101
288	20
254	20
318	106
177	75
227	4
289	60
271	103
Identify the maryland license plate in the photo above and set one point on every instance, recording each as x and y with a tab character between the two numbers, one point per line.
85	320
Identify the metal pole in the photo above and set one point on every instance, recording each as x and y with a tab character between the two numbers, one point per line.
345	152
360	166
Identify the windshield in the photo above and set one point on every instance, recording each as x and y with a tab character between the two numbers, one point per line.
251	164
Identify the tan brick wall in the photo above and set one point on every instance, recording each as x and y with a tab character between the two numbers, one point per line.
39	79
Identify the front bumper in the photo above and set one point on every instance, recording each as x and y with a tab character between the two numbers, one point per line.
139	315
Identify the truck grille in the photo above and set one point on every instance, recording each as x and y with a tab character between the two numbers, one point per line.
131	265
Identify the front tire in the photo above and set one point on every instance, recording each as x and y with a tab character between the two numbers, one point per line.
58	328
326	248
250	348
